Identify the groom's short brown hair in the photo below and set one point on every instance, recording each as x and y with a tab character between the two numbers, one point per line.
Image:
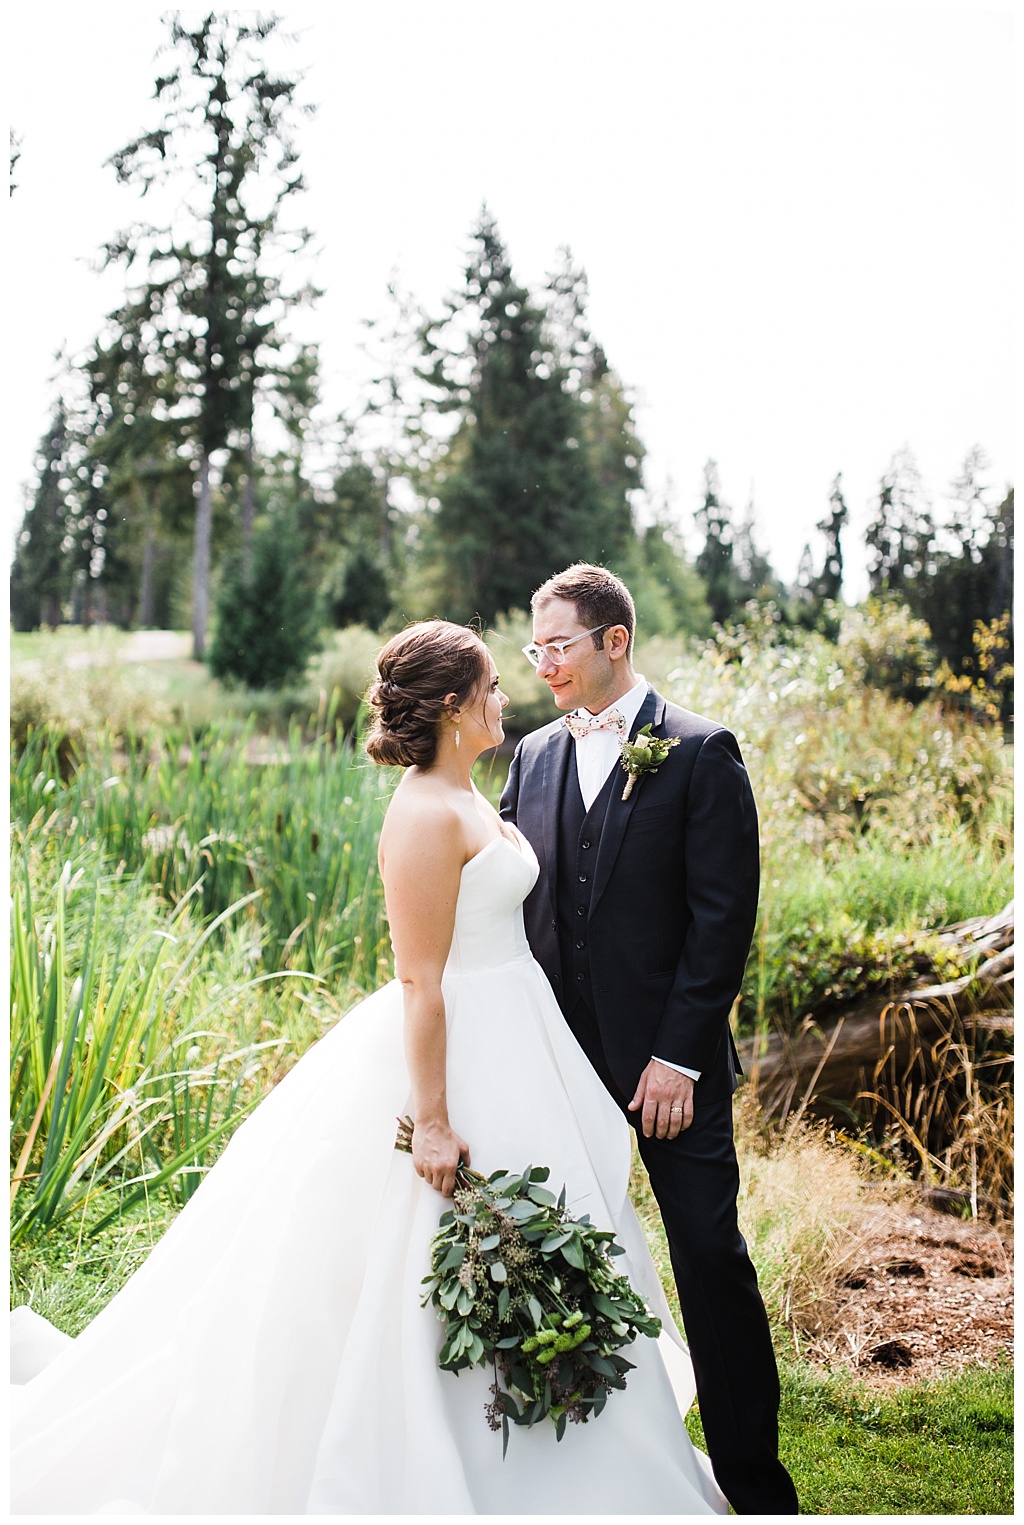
599	596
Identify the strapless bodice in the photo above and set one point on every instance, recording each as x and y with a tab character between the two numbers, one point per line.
489	914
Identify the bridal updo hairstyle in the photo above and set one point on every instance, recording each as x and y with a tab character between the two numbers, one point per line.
415	671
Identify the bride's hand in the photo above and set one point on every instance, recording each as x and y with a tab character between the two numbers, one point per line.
437	1152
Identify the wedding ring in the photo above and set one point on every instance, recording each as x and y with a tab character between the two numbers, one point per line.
675	1109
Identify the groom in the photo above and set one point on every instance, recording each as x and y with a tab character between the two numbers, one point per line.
642	919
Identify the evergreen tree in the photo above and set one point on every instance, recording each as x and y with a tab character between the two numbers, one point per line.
715	561
754	576
666	588
41	571
516	493
213	296
900	537
970	575
613	446
268	616
133	444
357	522
816	589
829	582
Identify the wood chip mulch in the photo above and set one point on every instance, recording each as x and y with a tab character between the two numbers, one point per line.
923	1295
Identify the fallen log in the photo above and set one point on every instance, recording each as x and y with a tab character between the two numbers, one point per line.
837	1058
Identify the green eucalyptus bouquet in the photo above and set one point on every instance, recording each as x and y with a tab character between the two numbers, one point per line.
520	1283
644	754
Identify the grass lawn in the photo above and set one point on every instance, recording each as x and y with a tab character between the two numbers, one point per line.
931	1448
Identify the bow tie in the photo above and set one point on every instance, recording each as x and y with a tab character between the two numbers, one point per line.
579	727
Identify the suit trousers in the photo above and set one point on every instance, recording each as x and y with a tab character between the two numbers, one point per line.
695	1179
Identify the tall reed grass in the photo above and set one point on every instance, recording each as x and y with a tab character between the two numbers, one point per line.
290	827
121	1072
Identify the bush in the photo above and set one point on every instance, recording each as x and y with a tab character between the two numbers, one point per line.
268	618
72	703
886	647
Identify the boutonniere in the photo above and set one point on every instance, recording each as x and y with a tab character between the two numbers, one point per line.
644	754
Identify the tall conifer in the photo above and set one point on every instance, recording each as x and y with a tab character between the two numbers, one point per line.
517	493
210	280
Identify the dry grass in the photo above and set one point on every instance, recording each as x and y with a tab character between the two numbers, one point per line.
802	1198
946	1109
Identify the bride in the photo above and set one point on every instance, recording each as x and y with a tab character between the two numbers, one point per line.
272	1355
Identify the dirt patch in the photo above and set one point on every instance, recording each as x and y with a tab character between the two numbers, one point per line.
923	1295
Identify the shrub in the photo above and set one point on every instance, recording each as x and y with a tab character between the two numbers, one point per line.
268	619
887	647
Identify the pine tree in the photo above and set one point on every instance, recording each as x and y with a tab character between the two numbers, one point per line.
213	297
356	518
715	561
666	588
15	156
754	575
42	567
133	445
517	494
970	572
829	582
268	617
900	537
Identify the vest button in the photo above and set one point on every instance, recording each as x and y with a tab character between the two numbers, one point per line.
581	943
554	926
581	978
583	878
581	910
584	844
555	980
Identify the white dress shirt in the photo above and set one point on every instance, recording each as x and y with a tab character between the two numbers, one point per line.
597	754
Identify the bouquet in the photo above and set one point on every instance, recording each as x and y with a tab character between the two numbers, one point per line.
521	1284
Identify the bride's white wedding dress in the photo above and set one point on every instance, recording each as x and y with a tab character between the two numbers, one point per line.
272	1357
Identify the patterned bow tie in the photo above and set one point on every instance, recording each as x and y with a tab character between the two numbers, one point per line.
579	727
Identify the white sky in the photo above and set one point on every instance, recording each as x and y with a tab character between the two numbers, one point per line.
795	220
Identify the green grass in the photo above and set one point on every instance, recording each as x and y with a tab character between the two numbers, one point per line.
941	1447
69	1276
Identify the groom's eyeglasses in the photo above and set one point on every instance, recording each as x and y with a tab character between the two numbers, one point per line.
555	650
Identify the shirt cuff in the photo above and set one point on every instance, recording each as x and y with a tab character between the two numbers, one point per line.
693	1074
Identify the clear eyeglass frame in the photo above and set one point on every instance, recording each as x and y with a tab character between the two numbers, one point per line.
555	650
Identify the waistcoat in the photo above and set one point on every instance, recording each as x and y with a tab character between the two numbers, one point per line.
579	832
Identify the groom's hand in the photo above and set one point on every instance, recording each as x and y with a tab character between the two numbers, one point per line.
666	1097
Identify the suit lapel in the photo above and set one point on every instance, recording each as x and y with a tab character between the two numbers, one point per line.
556	765
618	810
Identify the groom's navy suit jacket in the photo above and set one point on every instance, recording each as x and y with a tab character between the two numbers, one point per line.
674	894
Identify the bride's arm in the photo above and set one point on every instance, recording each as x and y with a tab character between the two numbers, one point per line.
422	856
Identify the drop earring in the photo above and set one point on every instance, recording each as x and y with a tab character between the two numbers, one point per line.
458	737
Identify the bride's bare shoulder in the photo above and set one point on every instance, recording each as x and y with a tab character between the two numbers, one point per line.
421	820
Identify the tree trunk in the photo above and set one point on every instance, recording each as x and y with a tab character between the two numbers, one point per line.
201	559
146	585
248	505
